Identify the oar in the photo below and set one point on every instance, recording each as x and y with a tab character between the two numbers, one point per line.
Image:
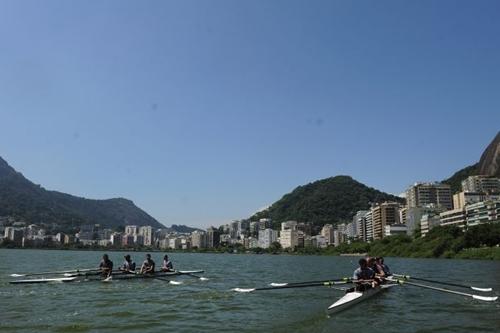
56	272
343	280
408	277
480	298
303	285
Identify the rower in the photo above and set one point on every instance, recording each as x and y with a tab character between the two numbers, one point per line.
128	265
363	275
148	266
167	265
385	268
106	266
377	269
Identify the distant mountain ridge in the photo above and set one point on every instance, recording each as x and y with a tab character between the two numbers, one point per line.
182	229
488	165
329	200
25	200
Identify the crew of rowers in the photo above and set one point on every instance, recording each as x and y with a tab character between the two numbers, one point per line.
128	266
371	272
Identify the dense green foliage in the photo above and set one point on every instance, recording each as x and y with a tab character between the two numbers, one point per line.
481	241
324	201
455	181
26	201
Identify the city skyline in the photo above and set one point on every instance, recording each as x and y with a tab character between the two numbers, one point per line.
201	116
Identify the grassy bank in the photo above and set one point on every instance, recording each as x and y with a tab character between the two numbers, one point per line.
479	242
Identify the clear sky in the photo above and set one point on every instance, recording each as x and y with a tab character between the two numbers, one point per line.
205	111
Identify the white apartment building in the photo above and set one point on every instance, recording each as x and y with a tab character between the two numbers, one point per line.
422	194
481	184
267	237
483	212
147	234
289	238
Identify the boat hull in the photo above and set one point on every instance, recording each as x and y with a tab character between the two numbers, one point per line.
352	298
117	276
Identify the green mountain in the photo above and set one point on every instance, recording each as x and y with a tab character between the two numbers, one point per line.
324	201
25	200
489	165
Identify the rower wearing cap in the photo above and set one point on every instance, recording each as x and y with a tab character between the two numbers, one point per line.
106	266
128	265
363	274
167	265
148	266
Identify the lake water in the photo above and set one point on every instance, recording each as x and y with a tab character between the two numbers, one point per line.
210	306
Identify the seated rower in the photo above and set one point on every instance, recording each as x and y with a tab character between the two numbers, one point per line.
377	269
167	265
106	266
385	268
363	275
128	265
148	266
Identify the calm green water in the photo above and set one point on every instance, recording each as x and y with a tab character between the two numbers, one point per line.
209	306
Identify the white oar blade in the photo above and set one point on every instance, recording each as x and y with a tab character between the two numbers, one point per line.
485	298
203	278
275	284
175	282
243	290
17	275
484	290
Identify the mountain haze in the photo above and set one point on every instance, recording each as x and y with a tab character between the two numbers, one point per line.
25	200
329	200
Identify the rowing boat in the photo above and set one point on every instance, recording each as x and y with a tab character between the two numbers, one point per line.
118	276
355	297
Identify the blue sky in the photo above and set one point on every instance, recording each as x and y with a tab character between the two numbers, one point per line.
205	111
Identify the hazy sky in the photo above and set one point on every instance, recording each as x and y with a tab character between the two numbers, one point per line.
205	111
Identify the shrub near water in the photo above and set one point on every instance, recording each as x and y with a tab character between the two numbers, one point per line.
478	242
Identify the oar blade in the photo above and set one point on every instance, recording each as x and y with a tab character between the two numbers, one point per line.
175	282
484	290
243	290
17	275
276	284
485	298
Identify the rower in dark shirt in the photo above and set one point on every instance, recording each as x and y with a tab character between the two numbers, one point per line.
363	276
106	266
148	266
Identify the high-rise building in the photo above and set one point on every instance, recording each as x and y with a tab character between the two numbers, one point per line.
267	237
213	237
289	238
369	226
306	228
462	199
147	233
116	239
386	213
198	239
289	225
455	217
131	230
423	194
360	220
327	233
483	212
481	184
